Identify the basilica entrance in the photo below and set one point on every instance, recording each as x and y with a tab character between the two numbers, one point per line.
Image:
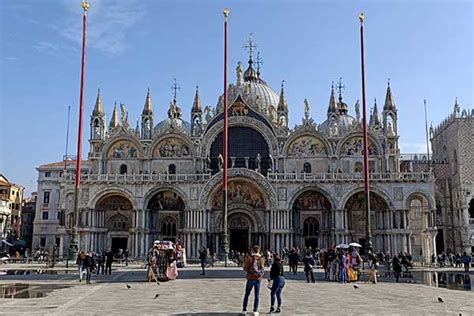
239	233
119	243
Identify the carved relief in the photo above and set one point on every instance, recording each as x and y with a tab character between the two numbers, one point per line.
311	200
172	147
123	149
238	109
355	146
306	146
240	192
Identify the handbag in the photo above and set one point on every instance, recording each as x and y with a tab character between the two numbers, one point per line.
270	284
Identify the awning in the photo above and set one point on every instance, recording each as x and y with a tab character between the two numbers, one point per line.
7	243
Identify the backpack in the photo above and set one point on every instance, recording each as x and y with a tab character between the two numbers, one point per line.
256	270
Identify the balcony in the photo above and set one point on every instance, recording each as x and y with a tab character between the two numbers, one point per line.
351	177
140	178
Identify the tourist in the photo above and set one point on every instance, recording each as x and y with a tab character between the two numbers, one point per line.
466	260
293	261
109	258
125	257
278	279
80	264
324	264
202	257
100	260
342	267
254	268
309	263
397	267
89	265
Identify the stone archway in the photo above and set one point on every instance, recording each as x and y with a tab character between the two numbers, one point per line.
164	217
310	209
356	224
113	212
240	228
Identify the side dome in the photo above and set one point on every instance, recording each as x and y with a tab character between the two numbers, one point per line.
339	123
174	122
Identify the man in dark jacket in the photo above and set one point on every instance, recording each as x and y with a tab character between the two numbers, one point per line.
89	265
293	261
202	257
109	258
309	263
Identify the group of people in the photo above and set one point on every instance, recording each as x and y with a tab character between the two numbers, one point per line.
94	262
452	260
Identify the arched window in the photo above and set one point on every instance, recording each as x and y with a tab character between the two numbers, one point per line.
307	167
358	167
123	169
311	227
172	169
168	228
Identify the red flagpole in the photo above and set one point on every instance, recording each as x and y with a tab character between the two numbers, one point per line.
368	231
74	244
226	134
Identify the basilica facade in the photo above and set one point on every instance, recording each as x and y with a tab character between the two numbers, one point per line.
300	186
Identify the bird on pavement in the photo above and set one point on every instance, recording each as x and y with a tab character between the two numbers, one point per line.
355	286
128	286
157	295
440	299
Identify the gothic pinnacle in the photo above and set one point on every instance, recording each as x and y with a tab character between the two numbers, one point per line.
148	107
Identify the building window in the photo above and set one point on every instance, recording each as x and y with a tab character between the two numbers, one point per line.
58	216
60	174
45	215
47	174
58	241
43	242
46	197
123	169
172	169
307	167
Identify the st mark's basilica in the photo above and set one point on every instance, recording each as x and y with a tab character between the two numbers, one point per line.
300	186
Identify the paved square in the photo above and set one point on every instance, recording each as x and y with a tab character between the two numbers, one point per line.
220	291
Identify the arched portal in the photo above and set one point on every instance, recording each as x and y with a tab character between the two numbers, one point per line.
420	219
356	224
117	213
165	218
240	230
310	209
245	144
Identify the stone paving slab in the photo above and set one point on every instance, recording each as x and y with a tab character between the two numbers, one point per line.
220	292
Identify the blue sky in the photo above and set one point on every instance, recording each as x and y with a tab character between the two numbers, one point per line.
424	47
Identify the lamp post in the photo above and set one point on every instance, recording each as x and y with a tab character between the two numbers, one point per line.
74	243
226	13
368	232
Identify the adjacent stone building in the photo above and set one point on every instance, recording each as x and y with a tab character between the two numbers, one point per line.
453	155
301	186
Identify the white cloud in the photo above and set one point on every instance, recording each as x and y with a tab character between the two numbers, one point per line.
107	23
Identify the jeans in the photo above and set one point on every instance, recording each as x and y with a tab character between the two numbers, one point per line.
308	273
277	287
88	274
203	264
248	288
100	266
81	271
108	269
294	268
343	276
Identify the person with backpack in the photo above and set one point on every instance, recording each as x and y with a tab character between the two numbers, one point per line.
254	267
309	263
278	279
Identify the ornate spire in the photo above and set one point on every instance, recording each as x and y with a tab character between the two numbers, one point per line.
250	74
148	108
98	109
114	121
282	105
375	115
197	102
457	108
389	103
332	108
259	62
137	130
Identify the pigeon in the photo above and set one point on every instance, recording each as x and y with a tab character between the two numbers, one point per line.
440	299
355	286
157	295
128	286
